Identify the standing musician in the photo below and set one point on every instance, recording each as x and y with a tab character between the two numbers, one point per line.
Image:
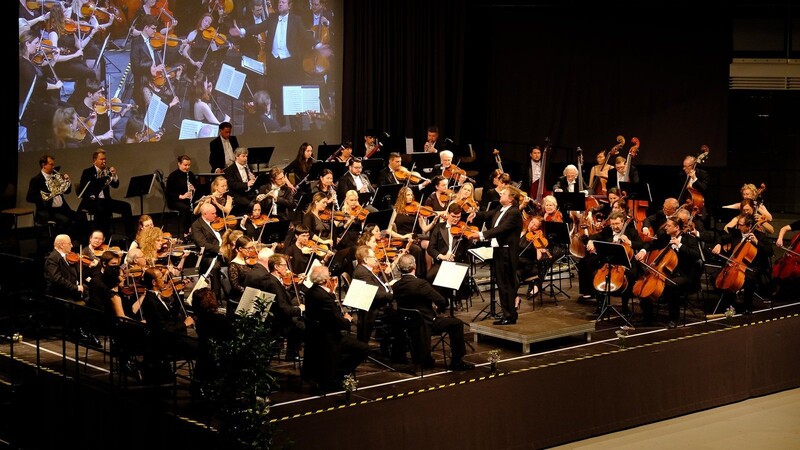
46	190
276	197
219	198
300	168
37	91
693	176
747	208
533	172
686	273
368	270
600	173
99	201
241	181
619	231
618	174
354	180
443	246
760	274
654	224
502	230
749	191
221	148
180	192
145	63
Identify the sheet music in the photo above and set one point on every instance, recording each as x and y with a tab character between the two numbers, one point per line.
482	253
450	275
200	283
253	64
193	129
299	99
360	295
248	300
307	282
156	112
230	81
409	145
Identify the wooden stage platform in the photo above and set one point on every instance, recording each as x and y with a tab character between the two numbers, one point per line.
536	326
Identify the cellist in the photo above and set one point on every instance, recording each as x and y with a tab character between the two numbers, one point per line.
682	277
760	272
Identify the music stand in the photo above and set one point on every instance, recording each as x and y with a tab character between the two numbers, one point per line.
259	156
275	231
425	160
556	233
372	167
484	254
611	254
636	191
139	186
380	218
570	201
324	151
385	195
338	168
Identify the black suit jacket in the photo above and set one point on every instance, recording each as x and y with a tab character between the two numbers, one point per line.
236	186
159	318
612	177
507	230
284	309
527	175
382	297
438	244
322	308
203	236
562	184
688	253
61	278
607	235
700	184
38	184
176	186
216	155
140	59
415	293
285	200
347	183
298	39
91	174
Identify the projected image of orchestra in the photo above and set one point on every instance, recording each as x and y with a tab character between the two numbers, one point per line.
95	73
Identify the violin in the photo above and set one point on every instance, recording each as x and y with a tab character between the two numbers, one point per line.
385	253
102	15
414	207
72	26
453	171
318	249
262	220
251	258
211	34
468	205
172	40
160	79
537	238
403	174
462	229
325	215
225	5
445	196
220	223
290	279
46	52
553	217
36	4
74	258
101	106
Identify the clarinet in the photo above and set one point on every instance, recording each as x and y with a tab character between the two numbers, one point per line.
190	188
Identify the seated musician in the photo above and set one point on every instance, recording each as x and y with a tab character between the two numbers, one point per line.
354	180
276	197
241	181
446	166
569	181
299	169
794	226
443	246
318	220
346	153
325	340
352	226
696	227
465	198
749	191
415	293
612	196
46	191
685	275
267	275
533	258
759	275
92	252
369	271
441	196
210	241
747	207
101	129
299	252
99	201
238	267
499	181
407	221
654	223
218	198
619	231
551	212
387	174
326	186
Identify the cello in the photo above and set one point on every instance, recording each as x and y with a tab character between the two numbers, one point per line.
731	278
614	275
659	264
787	267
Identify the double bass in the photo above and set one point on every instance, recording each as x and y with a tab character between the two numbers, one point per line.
577	248
638	208
537	189
695	201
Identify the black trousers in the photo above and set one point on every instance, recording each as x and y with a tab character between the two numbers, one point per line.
505	273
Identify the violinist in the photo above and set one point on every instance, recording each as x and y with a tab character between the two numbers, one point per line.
747	208
408	218
210	241
268	275
654	224
441	196
97	200
68	130
102	130
354	180
318	220
261	115
759	277
44	91
368	270
60	276
620	230
465	198
276	196
180	192
218	198
444	246
245	257
200	97
145	61
326	187
92	252
254	221
598	175
70	45
685	275
551	211
200	53
300	167
354	219
298	252
145	221
534	258
90	46
452	173
161	15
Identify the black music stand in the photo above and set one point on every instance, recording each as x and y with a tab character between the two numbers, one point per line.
610	254
380	218
259	156
570	201
275	231
372	167
324	151
385	196
139	186
424	161
204	181
484	254
556	233
636	191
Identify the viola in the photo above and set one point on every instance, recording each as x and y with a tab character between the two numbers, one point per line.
403	174
290	279
72	26
453	171
218	224
36	4
101	106
414	207
160	79
660	263
553	217
131	289
225	5
251	256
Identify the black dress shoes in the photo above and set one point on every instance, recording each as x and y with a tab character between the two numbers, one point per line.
505	322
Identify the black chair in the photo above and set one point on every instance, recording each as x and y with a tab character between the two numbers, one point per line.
319	356
166	212
414	328
129	341
697	304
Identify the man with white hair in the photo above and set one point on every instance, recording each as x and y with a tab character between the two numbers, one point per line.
60	276
446	166
569	181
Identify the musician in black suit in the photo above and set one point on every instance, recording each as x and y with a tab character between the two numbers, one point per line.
534	168
686	274
693	176
617	175
443	246
267	275
180	191
55	209
276	197
445	163
98	201
61	277
143	59
569	181
365	271
330	354
411	292
654	223
241	181
210	240
503	229
353	180
222	148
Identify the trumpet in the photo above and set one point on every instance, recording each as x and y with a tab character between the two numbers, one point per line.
57	185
